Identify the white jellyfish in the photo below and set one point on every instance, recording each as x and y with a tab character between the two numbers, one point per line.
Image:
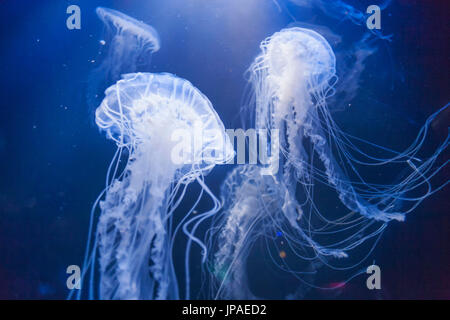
130	43
135	231
292	78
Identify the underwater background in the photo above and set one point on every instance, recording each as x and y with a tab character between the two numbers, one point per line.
54	159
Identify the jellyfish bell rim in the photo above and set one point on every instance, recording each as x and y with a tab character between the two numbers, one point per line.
133	25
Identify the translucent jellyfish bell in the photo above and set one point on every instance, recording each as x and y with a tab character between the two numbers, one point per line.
134	236
295	65
127	25
299	52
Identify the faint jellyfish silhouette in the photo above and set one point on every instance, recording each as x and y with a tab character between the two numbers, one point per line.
129	43
134	236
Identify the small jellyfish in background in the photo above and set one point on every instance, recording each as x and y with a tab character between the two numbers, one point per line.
129	43
135	232
292	78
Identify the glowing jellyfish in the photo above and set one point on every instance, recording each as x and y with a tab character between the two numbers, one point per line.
292	78
135	233
130	43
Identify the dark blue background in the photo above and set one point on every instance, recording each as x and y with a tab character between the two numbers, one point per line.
54	160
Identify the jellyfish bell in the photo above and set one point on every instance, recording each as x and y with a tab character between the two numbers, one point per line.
127	25
134	239
129	38
145	110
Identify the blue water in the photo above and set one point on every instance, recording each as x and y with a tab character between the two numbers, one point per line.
54	158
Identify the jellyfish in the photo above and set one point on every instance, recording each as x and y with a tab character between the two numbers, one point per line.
145	114
130	43
292	78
